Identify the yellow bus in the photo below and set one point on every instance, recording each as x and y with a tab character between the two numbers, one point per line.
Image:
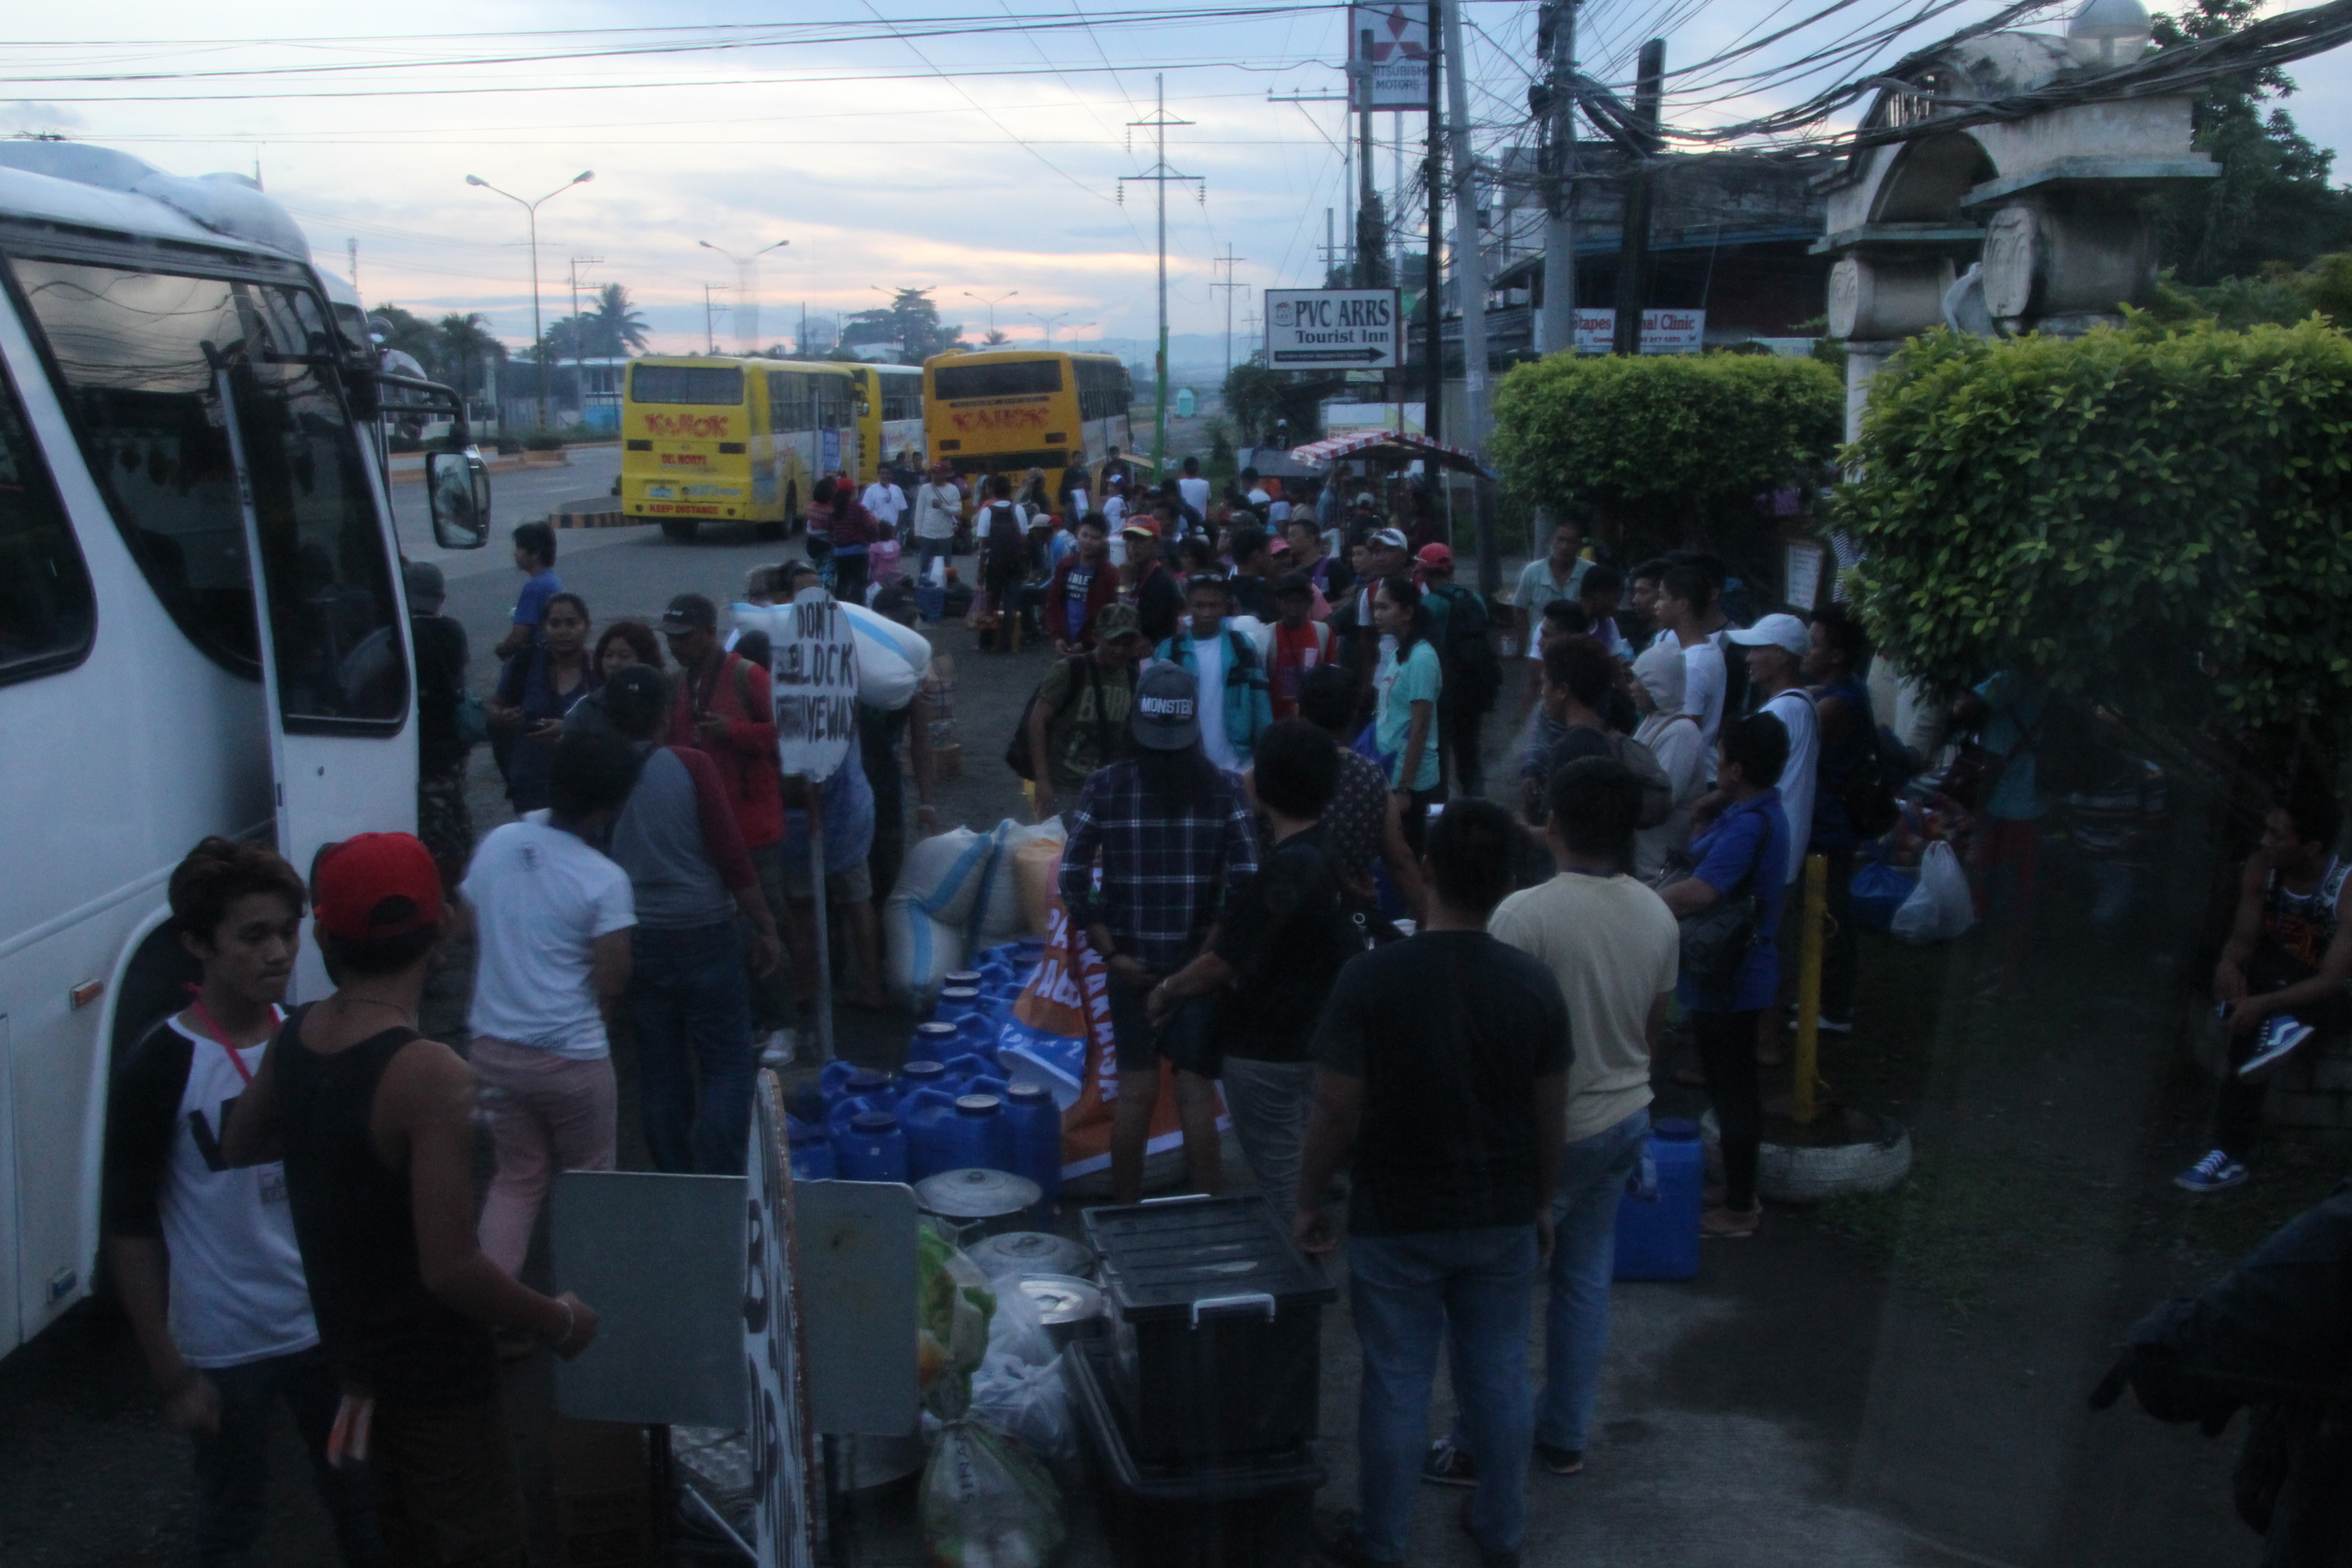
1008	411
890	418
732	440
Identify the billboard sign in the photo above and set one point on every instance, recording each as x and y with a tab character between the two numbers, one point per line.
1395	71
1326	329
1663	331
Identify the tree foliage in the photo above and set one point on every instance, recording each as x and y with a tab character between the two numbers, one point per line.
612	328
910	322
2273	202
1258	400
2155	518
1664	440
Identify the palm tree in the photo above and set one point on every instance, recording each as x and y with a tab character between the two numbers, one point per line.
615	327
465	346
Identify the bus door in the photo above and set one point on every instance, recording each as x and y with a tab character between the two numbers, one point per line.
332	644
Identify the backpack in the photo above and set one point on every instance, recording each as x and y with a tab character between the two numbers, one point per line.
1874	785
1017	755
1468	652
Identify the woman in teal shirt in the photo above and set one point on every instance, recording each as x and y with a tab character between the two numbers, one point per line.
1405	727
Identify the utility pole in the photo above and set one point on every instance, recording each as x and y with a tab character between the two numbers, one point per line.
1434	253
1345	147
1369	240
1160	174
1470	280
746	292
709	333
1633	251
1553	101
1227	261
352	245
579	339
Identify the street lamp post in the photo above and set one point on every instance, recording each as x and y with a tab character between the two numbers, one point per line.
538	337
747	292
991	305
1050	323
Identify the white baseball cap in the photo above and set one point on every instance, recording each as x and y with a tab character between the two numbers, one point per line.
1775	631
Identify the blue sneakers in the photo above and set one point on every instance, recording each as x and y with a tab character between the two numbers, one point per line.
2281	1033
2215	1172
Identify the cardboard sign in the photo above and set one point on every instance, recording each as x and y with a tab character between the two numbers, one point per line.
814	667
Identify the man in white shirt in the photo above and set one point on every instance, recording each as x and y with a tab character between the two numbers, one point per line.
1684	597
1614	949
886	501
1776	648
1254	492
939	510
1194	488
552	917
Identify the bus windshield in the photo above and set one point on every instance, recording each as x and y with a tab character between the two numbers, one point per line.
708	384
1019	378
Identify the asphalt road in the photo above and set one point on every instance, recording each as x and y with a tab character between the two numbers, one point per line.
1789	1406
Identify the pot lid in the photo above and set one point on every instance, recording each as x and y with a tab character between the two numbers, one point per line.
975	1194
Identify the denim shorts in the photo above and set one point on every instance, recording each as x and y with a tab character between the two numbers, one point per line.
1186	1041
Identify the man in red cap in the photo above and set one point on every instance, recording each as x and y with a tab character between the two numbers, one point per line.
375	1125
1474	675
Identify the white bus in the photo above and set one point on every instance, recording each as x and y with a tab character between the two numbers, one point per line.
202	628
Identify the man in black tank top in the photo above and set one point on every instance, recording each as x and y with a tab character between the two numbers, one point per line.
374	1123
2281	976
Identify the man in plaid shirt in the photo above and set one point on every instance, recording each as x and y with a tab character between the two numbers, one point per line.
1170	835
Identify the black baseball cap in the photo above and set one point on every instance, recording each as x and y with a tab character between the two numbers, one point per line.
689	610
1165	716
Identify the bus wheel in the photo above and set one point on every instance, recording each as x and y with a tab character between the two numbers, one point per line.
682	529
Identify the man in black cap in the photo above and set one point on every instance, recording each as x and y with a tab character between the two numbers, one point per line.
1175	837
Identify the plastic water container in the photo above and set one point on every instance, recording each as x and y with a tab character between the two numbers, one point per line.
922	1115
977	1136
847	1080
967	979
871	1148
1028	952
977	1030
1036	1124
812	1152
956	999
934	1041
976	1072
922	1073
1659	1240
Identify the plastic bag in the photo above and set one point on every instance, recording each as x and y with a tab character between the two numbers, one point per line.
986	1503
1940	908
1030	1401
1878	890
1017	1330
953	1305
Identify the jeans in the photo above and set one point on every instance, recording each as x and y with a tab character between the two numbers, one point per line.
1408	1294
552	1113
1268	1101
931	549
687	997
445	1488
768	1013
1726	1054
1592	1175
849	578
1461	726
232	1464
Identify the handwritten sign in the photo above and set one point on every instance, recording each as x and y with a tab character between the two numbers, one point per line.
815	673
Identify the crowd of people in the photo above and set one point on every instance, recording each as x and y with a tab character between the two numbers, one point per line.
1281	843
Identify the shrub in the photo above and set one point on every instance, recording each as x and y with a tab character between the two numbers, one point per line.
398	443
1665	439
2150	517
508	446
542	441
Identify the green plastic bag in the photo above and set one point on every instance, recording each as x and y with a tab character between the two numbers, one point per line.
986	1503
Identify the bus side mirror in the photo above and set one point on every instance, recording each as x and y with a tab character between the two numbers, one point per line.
457	488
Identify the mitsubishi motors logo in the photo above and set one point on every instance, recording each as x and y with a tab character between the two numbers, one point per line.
1396	43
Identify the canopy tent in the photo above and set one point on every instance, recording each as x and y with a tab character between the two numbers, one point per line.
1387	446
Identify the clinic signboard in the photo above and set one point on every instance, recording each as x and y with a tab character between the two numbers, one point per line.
1664	331
1324	329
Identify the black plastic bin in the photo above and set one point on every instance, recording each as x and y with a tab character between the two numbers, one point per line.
1254	1515
1217	1328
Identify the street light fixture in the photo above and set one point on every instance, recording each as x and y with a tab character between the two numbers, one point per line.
991	305
1050	323
538	337
747	294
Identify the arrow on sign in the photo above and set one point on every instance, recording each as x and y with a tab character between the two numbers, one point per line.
1328	356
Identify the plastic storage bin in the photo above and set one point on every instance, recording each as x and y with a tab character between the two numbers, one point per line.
1659	1240
1218	1322
1257	1514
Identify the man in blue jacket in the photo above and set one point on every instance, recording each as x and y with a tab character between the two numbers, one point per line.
1221	659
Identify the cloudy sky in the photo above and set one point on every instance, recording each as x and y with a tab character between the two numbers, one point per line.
974	148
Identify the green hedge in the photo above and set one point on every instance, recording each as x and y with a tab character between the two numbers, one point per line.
1664	436
2146	517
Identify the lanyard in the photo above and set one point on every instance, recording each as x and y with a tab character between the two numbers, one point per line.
219	1035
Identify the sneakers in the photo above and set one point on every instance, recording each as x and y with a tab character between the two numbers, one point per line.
1825	1023
779	1048
2215	1172
1448	1465
1560	1461
2281	1033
